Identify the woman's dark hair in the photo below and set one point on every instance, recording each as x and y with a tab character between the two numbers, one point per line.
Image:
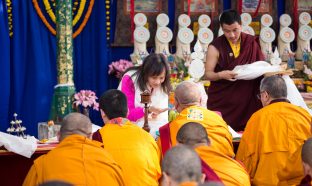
153	65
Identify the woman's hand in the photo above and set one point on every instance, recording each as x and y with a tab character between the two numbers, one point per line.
156	111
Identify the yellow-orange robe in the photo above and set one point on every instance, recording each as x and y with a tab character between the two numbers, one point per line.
76	160
272	136
217	129
228	169
190	183
135	151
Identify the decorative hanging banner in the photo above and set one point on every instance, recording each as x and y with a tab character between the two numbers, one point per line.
240	8
81	12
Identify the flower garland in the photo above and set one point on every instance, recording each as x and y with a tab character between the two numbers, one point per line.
74	6
76	19
108	24
10	16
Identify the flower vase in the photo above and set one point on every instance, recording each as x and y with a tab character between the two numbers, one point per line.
85	111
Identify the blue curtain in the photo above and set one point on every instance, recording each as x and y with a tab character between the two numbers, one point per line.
4	66
28	63
32	67
92	56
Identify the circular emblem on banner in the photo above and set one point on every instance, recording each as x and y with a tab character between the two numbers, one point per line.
140	19
304	18
184	20
266	20
185	35
305	32
204	20
287	35
267	34
141	34
285	20
205	35
246	19
164	34
162	19
248	30
196	68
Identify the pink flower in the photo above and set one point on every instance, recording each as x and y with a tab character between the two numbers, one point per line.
118	67
86	98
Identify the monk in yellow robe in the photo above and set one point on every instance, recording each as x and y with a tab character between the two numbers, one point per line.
187	103
273	135
77	159
181	167
230	172
134	149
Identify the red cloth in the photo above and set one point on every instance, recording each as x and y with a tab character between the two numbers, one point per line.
236	100
164	134
295	17
210	174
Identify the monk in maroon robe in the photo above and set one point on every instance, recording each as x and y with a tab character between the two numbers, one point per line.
236	100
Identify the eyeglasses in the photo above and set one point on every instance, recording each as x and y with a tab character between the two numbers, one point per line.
259	95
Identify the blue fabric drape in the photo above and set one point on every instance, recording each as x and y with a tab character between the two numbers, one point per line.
4	66
28	68
33	67
92	56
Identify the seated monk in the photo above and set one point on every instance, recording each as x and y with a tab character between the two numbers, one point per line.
133	148
227	169
187	103
181	167
273	135
306	155
77	159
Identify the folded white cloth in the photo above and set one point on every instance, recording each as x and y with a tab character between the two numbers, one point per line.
254	70
258	68
25	147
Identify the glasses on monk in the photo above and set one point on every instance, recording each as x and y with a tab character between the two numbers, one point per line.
259	95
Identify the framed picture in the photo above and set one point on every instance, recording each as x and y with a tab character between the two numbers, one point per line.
143	6
200	6
305	6
250	6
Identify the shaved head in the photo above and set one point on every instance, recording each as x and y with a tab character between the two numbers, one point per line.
75	123
182	164
306	153
187	93
192	134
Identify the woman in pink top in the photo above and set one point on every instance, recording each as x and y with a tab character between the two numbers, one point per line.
153	75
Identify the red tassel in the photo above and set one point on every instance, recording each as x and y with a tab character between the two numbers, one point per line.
188	7
240	5
296	17
257	9
132	19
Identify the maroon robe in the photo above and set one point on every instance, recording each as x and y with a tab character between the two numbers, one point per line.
236	100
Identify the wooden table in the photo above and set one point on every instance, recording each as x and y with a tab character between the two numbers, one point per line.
14	167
